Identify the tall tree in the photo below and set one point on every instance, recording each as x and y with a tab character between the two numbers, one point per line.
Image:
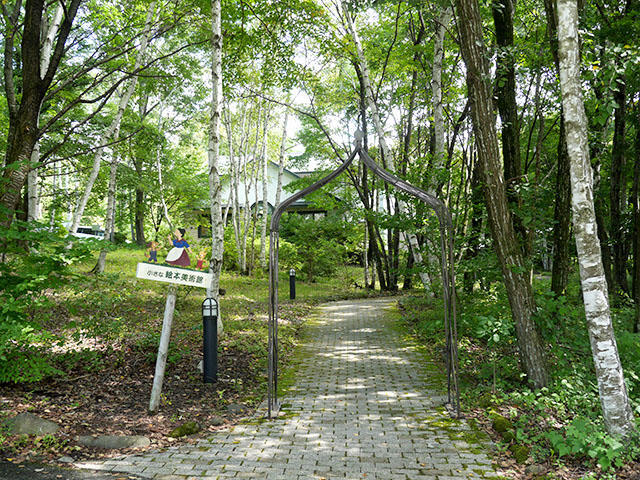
112	133
562	206
503	11
384	147
614	398
617	191
513	266
217	228
24	100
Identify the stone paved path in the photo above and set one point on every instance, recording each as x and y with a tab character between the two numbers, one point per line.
364	406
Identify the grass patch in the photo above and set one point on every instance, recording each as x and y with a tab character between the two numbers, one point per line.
106	330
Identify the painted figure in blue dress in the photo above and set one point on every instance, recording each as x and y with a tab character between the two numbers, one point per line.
178	254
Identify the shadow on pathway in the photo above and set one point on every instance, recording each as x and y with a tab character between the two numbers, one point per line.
364	405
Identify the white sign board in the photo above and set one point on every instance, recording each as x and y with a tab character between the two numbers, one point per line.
168	274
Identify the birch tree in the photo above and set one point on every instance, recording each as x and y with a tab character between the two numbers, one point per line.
113	132
49	33
217	228
282	159
386	151
614	399
265	190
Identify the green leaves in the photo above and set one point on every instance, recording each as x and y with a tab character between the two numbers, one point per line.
583	438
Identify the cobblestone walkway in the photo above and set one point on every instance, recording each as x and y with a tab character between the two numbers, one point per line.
364	406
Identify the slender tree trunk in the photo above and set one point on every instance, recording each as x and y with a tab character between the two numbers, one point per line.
283	158
217	228
265	194
476	225
614	399
111	215
636	225
603	236
562	207
113	132
139	218
509	253
507	106
165	210
617	191
436	88
380	131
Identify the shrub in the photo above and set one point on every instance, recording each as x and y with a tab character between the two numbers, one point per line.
36	260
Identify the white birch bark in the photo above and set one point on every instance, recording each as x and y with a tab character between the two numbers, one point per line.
265	192
248	180
234	168
54	192
614	398
436	88
113	132
32	186
110	219
165	210
163	349
48	35
217	228
226	116
282	161
364	67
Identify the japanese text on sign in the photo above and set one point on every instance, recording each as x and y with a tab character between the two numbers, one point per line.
180	276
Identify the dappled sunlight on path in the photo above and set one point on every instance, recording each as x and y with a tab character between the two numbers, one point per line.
363	406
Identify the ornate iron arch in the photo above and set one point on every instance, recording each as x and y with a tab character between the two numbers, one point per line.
447	272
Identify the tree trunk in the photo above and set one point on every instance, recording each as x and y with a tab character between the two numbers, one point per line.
217	228
614	399
165	210
113	132
509	254
23	131
109	229
139	218
562	207
33	180
476	225
562	216
636	225
386	151
617	195
505	94
282	159
265	194
603	236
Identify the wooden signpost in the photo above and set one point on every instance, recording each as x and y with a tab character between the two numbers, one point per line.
174	276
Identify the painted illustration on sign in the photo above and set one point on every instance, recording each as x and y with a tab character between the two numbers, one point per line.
201	256
178	254
152	251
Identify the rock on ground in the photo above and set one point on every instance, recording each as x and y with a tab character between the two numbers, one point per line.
30	424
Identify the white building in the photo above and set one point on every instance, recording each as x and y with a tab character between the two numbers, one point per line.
301	206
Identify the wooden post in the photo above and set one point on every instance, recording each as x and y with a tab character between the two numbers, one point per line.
163	349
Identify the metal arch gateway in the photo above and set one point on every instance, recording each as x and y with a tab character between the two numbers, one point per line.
447	272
